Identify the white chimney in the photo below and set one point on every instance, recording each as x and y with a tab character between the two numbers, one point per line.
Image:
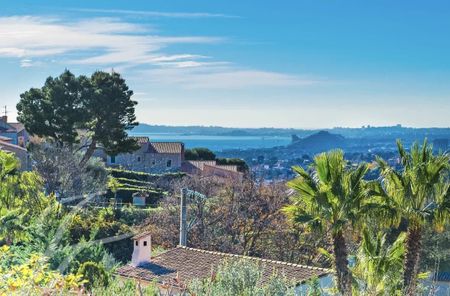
142	251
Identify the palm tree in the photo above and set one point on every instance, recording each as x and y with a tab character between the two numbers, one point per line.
378	264
332	195
418	194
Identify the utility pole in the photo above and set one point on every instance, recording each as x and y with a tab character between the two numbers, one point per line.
183	219
184	227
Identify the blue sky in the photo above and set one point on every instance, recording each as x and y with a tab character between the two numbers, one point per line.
303	64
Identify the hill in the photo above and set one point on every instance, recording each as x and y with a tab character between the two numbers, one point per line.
320	141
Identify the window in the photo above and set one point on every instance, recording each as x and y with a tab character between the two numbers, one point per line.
153	162
113	159
169	163
136	243
145	243
139	158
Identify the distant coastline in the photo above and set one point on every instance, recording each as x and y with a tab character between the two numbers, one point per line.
222	139
365	131
219	142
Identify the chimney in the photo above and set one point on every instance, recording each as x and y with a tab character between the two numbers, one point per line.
142	249
183	221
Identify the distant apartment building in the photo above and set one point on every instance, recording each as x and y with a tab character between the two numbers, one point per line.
14	131
151	157
210	168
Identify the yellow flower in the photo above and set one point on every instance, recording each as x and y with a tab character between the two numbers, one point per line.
13	284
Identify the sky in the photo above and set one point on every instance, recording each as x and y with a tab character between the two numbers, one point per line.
293	63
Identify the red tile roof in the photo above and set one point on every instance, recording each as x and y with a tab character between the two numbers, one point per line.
200	163
165	147
186	264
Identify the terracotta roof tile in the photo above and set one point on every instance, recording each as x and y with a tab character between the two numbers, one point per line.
227	167
200	163
165	147
186	264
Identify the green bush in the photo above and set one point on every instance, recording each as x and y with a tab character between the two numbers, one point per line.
131	216
141	176
126	195
241	277
199	154
93	274
130	182
133	181
119	287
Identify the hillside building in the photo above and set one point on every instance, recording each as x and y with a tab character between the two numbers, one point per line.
175	268
151	157
14	131
210	168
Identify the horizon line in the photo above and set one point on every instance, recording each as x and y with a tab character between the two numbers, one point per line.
369	126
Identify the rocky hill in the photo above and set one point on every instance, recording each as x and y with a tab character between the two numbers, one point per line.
320	141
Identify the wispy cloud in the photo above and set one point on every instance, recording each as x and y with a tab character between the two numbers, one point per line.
98	41
223	77
25	63
112	42
157	13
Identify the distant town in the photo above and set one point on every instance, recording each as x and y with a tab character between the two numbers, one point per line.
269	164
298	145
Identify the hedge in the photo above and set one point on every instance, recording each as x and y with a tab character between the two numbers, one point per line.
141	176
131	182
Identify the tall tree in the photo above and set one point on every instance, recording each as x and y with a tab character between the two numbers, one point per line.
378	264
418	194
66	109
56	109
110	113
332	196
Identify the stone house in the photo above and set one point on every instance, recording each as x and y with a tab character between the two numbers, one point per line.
175	268
14	131
151	157
210	168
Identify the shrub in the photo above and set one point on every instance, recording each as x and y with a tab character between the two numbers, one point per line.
93	274
141	176
33	277
117	287
241	277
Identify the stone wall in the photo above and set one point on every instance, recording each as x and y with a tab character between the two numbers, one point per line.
147	162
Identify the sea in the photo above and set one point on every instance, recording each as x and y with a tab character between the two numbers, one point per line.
218	143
